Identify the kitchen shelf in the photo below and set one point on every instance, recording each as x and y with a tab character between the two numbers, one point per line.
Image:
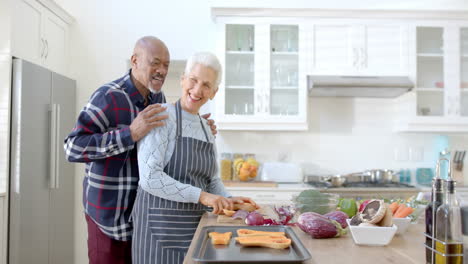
284	87
283	53
430	55
235	52
441	90
240	87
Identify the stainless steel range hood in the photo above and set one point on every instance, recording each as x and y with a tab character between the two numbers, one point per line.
358	86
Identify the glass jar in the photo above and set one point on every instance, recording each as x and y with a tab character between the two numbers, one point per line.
238	160
226	166
253	165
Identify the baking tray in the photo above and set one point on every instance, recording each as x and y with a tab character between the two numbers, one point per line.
206	252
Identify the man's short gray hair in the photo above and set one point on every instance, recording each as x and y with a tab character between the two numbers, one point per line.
207	59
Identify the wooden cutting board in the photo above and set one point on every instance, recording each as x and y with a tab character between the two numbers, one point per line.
266	211
250	184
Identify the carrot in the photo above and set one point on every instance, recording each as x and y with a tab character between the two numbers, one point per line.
400	207
404	212
394	207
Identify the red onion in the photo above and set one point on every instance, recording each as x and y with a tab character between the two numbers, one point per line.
240	214
254	218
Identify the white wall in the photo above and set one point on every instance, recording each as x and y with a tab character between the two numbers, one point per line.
344	135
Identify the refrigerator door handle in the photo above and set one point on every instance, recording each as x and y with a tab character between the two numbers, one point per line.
57	145
54	164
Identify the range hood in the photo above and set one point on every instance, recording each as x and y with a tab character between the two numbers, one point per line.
358	86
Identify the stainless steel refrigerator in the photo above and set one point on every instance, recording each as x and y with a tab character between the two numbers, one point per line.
41	214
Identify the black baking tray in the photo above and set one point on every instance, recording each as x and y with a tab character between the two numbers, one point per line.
206	252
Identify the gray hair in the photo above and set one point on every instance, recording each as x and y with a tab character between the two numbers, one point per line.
207	59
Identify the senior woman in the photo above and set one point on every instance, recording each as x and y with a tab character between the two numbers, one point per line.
177	164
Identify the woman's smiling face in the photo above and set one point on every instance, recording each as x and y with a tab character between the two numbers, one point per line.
197	87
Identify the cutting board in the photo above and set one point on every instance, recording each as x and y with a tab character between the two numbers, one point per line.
265	210
250	184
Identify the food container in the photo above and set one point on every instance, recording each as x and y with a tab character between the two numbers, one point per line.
372	236
327	202
226	166
402	224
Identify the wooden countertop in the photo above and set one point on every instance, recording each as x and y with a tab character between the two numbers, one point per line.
407	248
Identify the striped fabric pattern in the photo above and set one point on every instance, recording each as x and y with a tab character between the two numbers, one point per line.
101	138
163	228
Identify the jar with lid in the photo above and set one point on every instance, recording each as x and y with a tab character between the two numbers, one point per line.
253	165
226	166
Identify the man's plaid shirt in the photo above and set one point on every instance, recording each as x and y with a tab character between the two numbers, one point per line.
101	139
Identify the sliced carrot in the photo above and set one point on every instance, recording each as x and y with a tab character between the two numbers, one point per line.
404	212
394	207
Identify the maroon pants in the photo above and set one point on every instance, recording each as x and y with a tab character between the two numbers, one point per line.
105	250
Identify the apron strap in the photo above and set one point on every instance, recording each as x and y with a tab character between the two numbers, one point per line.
203	128
179	119
179	122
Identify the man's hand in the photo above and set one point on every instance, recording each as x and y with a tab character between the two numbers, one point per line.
147	120
211	123
218	202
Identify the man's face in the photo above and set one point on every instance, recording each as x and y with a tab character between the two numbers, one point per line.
197	87
152	65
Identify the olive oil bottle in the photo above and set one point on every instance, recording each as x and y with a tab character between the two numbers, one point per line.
437	199
448	229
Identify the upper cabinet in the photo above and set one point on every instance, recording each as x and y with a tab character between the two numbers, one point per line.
264	85
40	34
367	48
439	103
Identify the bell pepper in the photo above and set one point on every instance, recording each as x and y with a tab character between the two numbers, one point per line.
348	206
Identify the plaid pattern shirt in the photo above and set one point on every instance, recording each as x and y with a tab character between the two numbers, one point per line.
101	139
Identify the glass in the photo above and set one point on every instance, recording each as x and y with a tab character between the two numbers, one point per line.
284	38
430	103
226	166
430	71
240	37
284	70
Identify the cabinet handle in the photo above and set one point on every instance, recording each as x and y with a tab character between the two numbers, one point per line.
266	103
47	48
43	47
363	58
355	57
257	103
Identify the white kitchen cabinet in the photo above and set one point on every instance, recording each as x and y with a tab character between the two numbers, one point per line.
40	35
264	84
365	48
439	102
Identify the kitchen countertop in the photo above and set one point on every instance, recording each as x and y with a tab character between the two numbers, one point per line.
407	248
305	186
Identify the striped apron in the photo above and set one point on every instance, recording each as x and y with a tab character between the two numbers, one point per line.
163	229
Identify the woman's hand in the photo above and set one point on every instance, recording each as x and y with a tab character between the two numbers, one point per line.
242	199
218	202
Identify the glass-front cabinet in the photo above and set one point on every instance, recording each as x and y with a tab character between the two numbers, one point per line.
264	83
439	102
464	70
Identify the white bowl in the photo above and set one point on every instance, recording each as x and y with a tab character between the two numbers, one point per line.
372	235
402	224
